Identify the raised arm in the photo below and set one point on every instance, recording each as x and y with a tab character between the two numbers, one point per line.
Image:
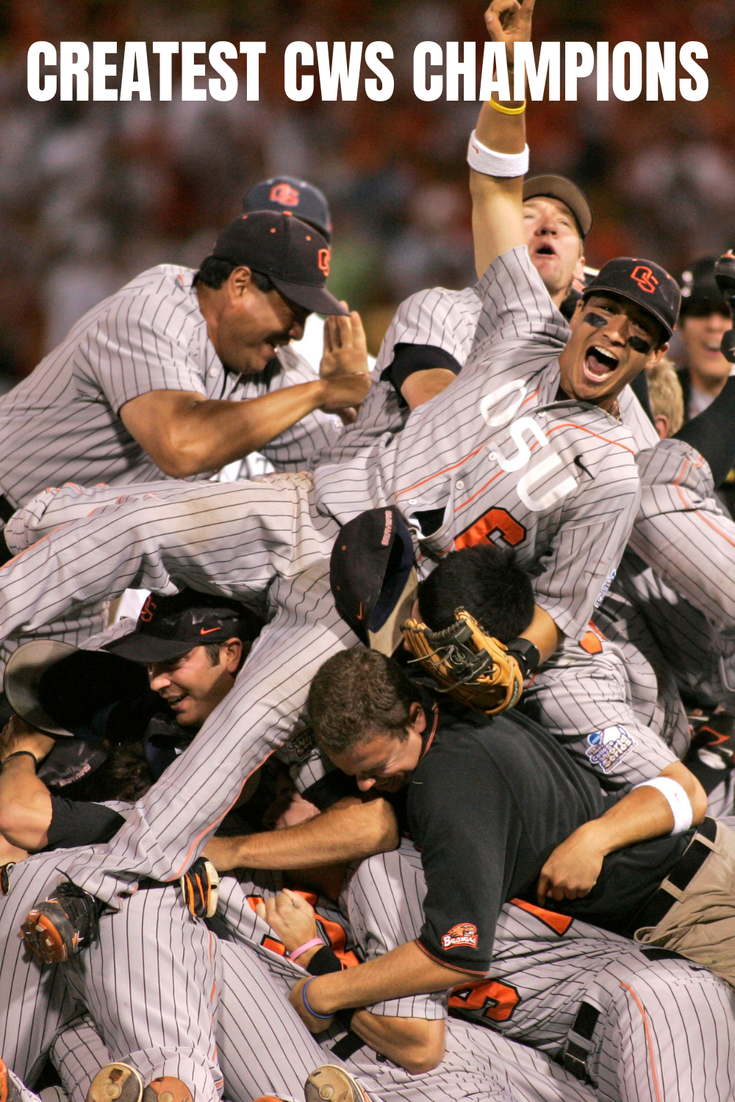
496	182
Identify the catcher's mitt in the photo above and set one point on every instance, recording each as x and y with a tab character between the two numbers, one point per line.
468	664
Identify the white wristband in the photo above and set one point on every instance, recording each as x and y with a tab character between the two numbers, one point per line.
676	798
490	163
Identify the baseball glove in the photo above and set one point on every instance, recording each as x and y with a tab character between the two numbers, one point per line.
471	666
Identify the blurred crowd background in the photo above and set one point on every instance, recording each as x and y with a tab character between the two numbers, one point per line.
92	193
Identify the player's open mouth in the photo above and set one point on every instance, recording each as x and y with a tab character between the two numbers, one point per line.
599	364
545	250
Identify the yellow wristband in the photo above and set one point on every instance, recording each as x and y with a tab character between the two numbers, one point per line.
507	110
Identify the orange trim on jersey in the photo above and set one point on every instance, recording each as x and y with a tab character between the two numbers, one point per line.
571	425
441	960
529	397
212	826
441	472
274	945
560	923
714	527
430	739
649	1043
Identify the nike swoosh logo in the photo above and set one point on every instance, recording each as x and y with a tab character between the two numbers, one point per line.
207	631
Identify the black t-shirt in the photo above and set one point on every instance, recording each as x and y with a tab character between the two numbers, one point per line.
488	802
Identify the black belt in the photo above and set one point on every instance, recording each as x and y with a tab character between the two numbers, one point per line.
690	862
575	1055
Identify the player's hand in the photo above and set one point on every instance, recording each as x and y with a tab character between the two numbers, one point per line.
509	21
572	870
290	917
19	735
315	1025
345	346
344	391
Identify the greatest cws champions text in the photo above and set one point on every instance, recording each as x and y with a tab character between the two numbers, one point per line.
330	71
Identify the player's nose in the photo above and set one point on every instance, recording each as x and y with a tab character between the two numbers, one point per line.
158	679
366	785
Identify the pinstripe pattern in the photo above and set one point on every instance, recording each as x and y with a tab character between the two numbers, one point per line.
576	520
688	1037
34	1000
237	538
150	335
77	1054
682	533
151	983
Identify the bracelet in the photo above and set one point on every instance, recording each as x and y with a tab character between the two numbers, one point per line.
506	110
526	655
296	953
17	754
324	1017
491	163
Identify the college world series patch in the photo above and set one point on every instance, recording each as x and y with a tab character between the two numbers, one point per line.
608	747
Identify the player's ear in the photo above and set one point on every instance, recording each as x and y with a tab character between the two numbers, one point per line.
240	280
577	313
230	655
656	355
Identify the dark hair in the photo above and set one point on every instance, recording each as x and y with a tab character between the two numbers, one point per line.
213	272
358	693
487	581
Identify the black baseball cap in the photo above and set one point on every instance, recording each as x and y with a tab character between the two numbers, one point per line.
643	282
287	194
373	577
67	691
170	626
294	256
700	293
559	187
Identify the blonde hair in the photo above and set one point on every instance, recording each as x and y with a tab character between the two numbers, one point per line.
667	397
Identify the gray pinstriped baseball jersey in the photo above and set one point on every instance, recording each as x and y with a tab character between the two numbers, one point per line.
62	422
683	534
516	473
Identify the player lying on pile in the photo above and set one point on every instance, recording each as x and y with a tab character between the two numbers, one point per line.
276	535
170	950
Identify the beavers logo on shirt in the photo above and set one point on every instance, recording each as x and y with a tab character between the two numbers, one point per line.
464	933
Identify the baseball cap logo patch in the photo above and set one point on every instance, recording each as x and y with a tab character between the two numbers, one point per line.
148	609
284	193
645	279
323	261
464	933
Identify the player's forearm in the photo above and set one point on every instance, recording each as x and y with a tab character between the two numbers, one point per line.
337	835
497	201
403	971
543	633
210	434
25	805
413	1043
644	813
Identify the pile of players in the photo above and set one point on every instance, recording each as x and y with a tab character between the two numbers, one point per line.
418	900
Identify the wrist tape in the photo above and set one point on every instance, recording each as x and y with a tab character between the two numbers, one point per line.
676	798
491	163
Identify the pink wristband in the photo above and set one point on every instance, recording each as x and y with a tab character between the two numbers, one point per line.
296	953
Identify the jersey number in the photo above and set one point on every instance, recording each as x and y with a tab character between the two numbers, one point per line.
493	999
497	520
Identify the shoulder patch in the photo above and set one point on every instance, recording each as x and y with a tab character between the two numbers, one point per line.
607	748
463	934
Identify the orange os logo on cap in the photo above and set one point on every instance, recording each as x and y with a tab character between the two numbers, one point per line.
146	613
323	261
645	279
284	193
